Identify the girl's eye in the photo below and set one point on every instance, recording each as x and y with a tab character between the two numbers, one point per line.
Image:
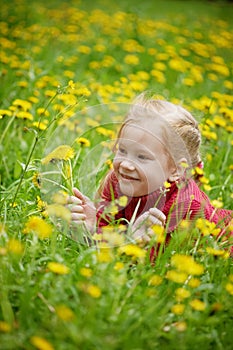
122	150
142	156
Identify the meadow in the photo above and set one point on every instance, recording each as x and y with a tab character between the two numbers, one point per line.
68	71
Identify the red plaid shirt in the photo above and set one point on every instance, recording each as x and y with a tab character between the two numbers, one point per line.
182	200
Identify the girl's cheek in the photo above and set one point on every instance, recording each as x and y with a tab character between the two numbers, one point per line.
115	163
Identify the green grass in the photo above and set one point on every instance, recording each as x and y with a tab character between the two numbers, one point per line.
112	299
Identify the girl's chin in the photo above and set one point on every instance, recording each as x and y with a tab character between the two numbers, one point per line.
129	191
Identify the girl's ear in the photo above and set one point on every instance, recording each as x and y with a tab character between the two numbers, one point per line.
179	171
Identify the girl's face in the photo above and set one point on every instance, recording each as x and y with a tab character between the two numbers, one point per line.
141	164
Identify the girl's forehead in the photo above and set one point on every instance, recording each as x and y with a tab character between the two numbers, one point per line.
135	132
141	138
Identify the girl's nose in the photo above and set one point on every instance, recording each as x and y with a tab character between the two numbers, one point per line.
127	164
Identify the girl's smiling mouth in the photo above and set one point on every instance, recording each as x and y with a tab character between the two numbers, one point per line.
127	177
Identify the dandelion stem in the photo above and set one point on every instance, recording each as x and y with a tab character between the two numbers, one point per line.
37	138
25	168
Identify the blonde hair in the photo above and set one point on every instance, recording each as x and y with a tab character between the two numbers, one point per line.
182	135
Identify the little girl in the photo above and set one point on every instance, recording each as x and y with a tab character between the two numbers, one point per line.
157	146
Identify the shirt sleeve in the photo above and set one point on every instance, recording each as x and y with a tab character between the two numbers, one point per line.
188	209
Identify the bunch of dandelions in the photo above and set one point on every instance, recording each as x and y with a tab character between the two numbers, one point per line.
61	158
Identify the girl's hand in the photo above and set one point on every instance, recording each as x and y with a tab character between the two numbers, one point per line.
142	226
82	210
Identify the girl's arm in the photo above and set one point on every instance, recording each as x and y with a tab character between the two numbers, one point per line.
142	226
82	210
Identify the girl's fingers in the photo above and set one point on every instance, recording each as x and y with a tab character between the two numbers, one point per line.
78	217
142	218
79	194
155	221
139	236
77	209
158	214
73	200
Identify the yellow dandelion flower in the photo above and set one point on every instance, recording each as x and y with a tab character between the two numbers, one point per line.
39	226
188	82
178	309
41	205
97	237
84	49
59	211
197	304
15	246
118	266
160	66
113	209
179	64
105	132
219	121
41	343
131	60
86	272
210	135
206	227
194	282
82	141
186	263
43	111
5	327
204	180
49	93
229	288
230	277
92	122
207	187
60	197
197	171
158	75
22	84
83	91
109	163
185	224
218	252
155	280
217	203
228	84
58	268
94	65
159	233
36	180
167	184
132	250
182	293
93	291
176	276
71	84
40	125
63	152
181	326
24	115
64	313
114	239
22	104
5	112
104	254
122	201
